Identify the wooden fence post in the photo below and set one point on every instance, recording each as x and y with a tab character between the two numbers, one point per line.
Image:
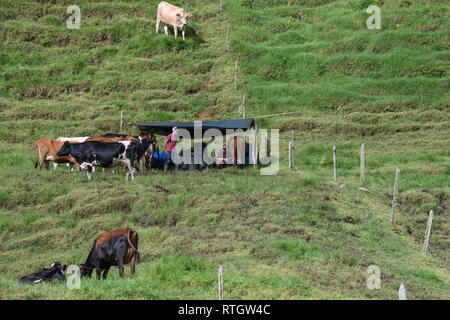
293	148
401	292
363	182
121	122
291	164
259	131
394	196
267	144
255	147
228	38
243	106
335	164
421	97
427	234
235	75
220	283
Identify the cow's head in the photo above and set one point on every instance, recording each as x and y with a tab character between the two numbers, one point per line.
182	17
65	149
57	270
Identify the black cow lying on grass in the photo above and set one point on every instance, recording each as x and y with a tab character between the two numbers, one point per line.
56	271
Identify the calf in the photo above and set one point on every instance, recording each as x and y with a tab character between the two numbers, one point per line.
56	271
102	154
113	248
171	15
46	150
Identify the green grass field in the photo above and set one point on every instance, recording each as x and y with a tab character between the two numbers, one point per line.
296	235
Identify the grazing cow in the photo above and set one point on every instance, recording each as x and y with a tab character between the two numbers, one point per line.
171	15
56	271
113	248
46	150
102	154
236	145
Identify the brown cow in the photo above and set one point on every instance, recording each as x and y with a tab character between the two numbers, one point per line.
112	248
171	15
46	151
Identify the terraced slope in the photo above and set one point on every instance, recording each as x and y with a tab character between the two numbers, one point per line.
296	235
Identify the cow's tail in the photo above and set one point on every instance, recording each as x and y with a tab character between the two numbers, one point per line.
37	156
137	254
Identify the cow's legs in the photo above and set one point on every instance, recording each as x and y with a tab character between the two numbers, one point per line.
89	172
98	270
129	169
132	264
158	21
183	32
41	162
166	29
47	165
55	166
175	31
105	272
121	266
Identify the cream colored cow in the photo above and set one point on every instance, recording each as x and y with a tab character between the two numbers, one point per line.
171	15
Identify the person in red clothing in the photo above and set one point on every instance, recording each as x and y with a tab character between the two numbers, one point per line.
169	146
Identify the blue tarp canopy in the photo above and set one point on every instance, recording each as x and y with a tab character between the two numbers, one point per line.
165	128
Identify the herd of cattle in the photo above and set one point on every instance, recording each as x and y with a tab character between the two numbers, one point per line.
112	248
107	151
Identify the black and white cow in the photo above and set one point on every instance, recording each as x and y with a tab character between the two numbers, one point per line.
143	147
103	154
56	271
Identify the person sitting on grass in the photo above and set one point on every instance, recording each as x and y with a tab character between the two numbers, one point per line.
169	147
222	157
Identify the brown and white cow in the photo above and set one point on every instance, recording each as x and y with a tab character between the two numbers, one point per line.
46	150
171	15
112	248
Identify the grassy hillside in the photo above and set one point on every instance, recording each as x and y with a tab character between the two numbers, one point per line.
296	235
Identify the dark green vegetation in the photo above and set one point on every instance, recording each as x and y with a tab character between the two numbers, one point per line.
296	235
